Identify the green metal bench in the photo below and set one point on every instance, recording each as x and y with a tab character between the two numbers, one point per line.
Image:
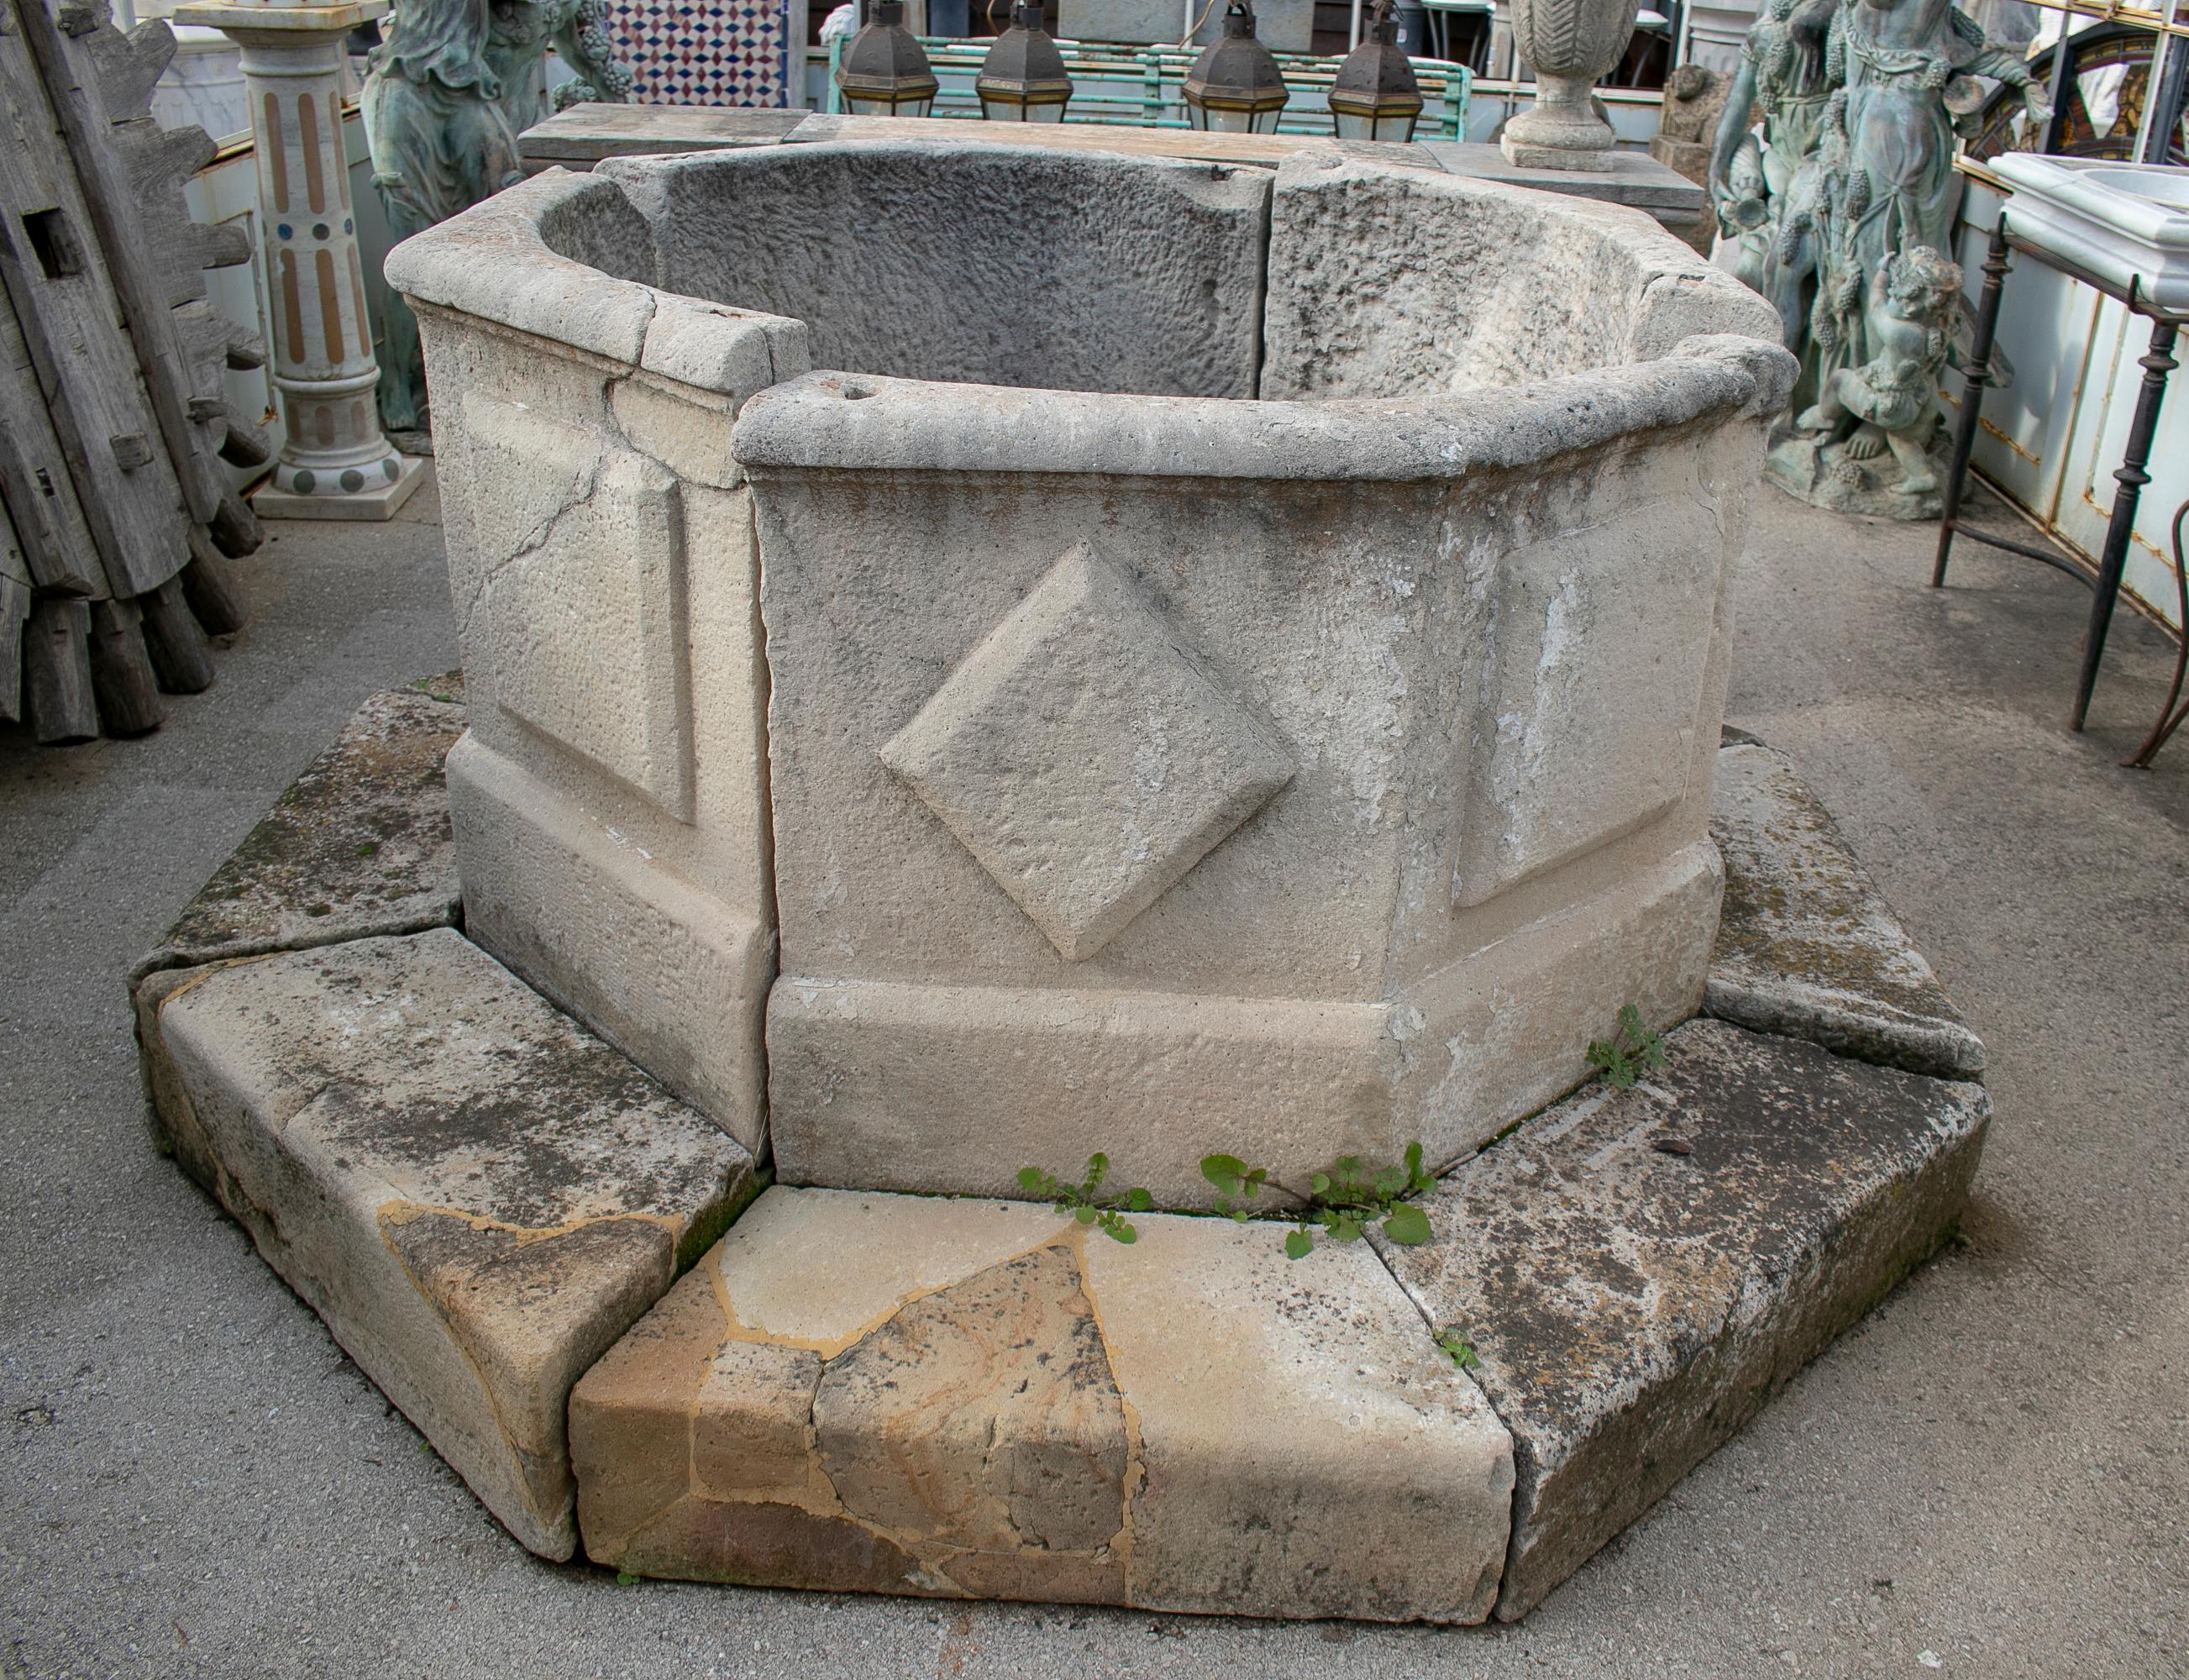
1145	86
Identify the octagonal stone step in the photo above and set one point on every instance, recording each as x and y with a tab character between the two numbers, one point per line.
898	1393
1806	945
359	845
476	1195
1640	1271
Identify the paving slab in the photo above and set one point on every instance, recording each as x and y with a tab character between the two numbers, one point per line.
1640	1271
475	1195
1806	944
358	846
954	1398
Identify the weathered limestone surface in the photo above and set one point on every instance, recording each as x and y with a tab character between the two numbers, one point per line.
663	969
475	1196
1806	945
870	1392
1496	689
1640	1271
358	845
1345	760
897	1086
610	802
1389	283
1140	274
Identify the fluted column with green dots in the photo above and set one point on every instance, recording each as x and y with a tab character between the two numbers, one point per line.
335	463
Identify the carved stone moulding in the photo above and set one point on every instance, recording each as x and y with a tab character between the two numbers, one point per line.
1257	697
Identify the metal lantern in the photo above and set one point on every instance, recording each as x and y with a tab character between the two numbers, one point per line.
1376	97
1235	86
1023	79
883	71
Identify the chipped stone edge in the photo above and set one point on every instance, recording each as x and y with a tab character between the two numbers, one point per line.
1471	1607
494	1467
1859	1032
1789	1006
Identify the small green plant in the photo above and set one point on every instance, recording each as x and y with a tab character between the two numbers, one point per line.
1631	1047
1458	1349
1341	1204
1236	1185
1084	1201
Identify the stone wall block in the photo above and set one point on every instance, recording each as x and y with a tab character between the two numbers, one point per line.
953	1398
669	973
475	1196
561	257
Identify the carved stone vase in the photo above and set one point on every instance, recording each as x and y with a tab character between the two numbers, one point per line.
1569	43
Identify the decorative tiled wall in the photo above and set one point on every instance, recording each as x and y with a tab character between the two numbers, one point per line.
711	52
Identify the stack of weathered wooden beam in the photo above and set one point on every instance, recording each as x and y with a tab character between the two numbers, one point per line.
113	418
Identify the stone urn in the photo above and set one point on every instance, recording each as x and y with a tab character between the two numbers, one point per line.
1569	43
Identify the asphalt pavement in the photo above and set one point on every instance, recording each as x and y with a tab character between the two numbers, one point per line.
1988	1477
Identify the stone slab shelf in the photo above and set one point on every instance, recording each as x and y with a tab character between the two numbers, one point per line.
585	134
851	1390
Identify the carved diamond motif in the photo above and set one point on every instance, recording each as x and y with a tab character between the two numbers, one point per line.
1085	757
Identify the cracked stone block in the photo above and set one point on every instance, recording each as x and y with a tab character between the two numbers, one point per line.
1806	945
357	845
875	1393
1640	1271
610	797
476	1196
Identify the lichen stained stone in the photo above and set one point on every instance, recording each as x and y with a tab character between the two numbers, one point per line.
1640	1271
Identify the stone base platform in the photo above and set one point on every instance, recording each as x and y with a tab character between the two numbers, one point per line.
381	501
900	1393
853	1390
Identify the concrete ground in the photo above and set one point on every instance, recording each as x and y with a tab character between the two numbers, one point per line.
1988	1478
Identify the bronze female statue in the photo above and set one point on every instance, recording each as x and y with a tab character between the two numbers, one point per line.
450	89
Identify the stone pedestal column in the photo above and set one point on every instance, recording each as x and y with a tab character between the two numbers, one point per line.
336	463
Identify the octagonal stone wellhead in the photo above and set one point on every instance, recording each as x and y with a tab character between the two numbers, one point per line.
1261	700
1569	43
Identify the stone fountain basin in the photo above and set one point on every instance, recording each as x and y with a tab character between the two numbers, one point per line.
979	655
2126	223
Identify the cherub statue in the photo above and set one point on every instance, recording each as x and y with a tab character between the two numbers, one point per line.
1744	214
1909	317
450	89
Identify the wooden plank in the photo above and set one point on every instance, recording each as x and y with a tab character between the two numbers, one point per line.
211	592
35	486
55	274
15	609
57	698
121	678
79	105
182	658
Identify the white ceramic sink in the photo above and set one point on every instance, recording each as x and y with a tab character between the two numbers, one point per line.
2121	221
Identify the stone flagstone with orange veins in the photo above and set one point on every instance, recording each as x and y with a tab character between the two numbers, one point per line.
879	1392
